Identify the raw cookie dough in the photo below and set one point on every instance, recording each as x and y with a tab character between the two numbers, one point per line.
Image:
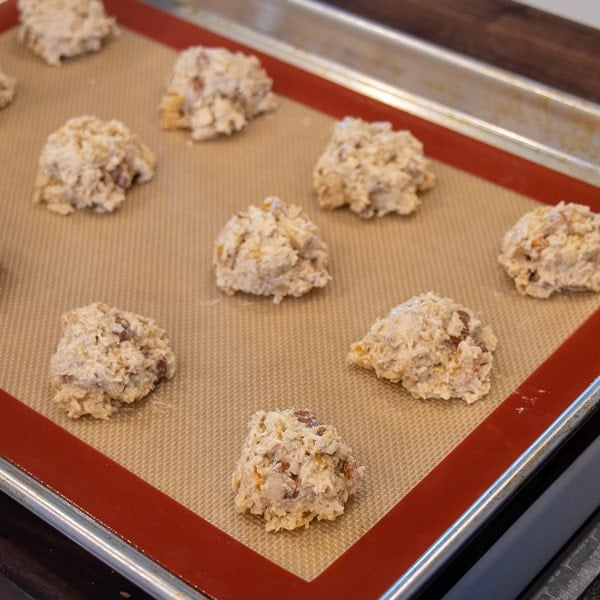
273	250
89	163
57	29
7	89
294	469
372	169
554	248
435	347
214	92
107	358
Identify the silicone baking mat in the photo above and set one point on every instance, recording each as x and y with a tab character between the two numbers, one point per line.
158	473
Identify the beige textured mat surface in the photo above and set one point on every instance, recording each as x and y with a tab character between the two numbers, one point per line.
236	355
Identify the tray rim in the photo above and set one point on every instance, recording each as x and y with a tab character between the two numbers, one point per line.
91	535
585	397
496	495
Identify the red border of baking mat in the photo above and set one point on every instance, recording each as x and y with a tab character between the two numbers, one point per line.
206	557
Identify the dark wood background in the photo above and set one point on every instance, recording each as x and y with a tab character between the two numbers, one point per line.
38	561
512	36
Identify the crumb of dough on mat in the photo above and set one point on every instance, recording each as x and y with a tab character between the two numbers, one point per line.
433	346
271	250
215	92
372	169
7	88
553	249
294	469
58	29
90	163
107	358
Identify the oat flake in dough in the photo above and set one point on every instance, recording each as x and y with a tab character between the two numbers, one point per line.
57	29
7	89
107	358
273	250
215	92
433	346
294	469
372	169
89	163
554	248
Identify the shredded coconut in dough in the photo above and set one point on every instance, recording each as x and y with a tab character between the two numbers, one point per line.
435	347
294	469
7	89
57	29
372	169
554	248
89	163
273	250
214	92
107	358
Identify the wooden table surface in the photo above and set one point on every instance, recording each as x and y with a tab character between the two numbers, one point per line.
37	560
512	36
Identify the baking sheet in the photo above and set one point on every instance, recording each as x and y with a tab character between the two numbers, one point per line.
239	354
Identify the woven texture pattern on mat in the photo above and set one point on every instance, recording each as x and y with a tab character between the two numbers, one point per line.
239	354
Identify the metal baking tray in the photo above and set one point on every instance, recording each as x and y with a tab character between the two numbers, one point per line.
340	49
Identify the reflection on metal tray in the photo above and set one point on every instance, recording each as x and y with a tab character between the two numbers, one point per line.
519	115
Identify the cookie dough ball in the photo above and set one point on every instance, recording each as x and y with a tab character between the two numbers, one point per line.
273	250
89	163
57	29
433	346
107	358
215	92
554	248
7	89
372	169
294	469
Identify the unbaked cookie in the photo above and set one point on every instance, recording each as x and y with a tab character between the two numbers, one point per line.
89	163
554	248
433	346
107	358
294	469
215	92
273	250
372	169
7	89
57	29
